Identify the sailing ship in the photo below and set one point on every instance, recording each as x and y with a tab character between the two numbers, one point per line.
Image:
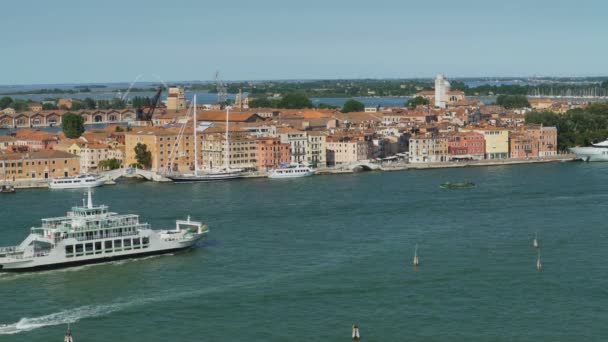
225	173
416	261
93	234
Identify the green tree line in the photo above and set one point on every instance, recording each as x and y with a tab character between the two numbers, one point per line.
576	127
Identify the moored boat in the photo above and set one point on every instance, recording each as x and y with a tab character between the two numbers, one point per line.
76	182
291	172
7	189
92	234
594	153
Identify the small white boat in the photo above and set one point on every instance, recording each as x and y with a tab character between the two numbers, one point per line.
291	172
416	261
76	182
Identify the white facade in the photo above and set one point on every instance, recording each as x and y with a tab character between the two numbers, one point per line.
442	87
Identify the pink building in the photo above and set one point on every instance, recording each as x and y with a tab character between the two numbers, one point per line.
466	145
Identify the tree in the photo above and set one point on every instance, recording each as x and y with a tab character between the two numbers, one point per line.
5	102
72	125
142	155
119	129
513	101
49	106
20	105
353	106
260	102
295	101
77	105
110	164
417	101
89	103
326	106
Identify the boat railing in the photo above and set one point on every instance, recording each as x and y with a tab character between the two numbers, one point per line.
10	249
105	236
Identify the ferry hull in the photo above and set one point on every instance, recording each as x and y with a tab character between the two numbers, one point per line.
102	260
590	154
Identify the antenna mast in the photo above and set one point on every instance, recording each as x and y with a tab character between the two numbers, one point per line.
222	94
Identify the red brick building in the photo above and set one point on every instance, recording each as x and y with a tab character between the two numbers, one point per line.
523	145
466	145
272	153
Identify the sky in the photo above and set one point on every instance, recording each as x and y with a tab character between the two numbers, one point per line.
67	41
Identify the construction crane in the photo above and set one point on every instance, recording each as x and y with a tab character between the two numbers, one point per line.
222	94
154	102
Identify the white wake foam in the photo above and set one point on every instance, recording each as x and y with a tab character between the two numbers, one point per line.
60	318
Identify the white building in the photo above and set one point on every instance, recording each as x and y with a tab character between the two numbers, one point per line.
442	87
298	142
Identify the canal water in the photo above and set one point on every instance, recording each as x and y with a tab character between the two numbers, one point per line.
304	259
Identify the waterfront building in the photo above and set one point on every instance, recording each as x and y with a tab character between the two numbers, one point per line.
176	100
92	153
166	148
298	143
346	149
496	138
428	149
242	149
523	145
42	164
546	138
316	151
272	153
466	145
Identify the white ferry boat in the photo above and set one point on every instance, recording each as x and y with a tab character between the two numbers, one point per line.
291	172
93	234
76	182
593	153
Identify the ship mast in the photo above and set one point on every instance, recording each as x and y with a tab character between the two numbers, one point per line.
227	144
195	142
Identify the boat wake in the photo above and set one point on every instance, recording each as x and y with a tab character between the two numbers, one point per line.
59	318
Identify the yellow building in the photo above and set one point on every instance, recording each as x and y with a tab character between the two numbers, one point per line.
167	152
43	164
497	140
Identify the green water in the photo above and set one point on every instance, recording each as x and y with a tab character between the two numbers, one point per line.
304	259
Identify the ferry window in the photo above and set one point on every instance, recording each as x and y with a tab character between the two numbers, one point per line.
79	248
88	246
98	246
127	242
108	244
136	242
117	243
146	240
69	249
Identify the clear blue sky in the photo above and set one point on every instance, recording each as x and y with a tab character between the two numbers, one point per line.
65	41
